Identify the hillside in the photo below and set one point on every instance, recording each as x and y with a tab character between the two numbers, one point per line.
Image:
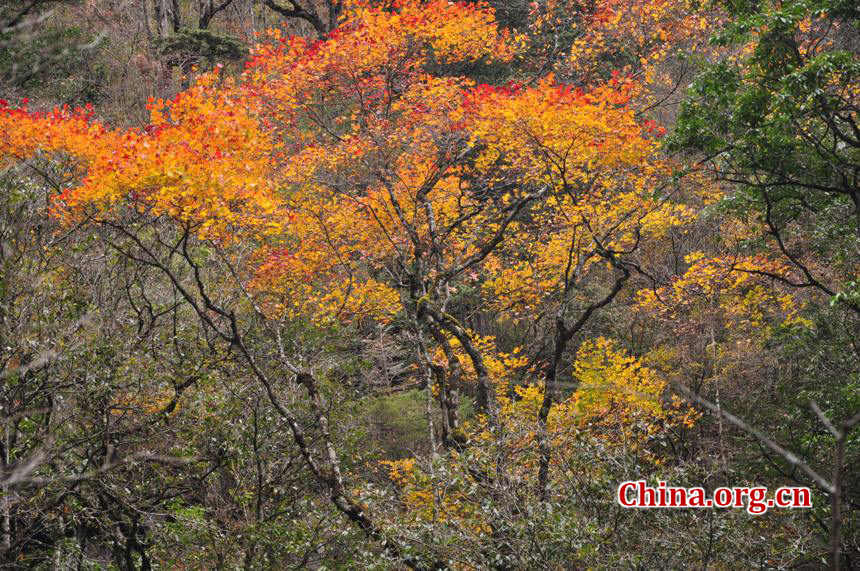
388	284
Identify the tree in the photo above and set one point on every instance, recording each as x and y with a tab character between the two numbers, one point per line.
338	181
780	120
777	118
420	215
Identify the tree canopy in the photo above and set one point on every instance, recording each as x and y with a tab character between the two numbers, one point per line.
420	283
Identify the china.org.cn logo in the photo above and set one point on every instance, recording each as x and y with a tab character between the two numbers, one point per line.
756	500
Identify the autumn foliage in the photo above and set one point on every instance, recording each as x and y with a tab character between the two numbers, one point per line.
367	185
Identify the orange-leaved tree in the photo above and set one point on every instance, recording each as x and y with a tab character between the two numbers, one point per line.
353	179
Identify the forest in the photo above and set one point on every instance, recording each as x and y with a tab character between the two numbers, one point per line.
421	284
